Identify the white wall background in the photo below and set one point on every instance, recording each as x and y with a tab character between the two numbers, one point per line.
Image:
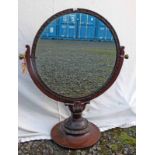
116	107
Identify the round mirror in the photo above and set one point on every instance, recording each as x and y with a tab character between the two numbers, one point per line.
75	56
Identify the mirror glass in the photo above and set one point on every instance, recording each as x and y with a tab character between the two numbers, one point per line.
75	55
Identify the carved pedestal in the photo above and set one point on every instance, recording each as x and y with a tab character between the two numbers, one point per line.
75	132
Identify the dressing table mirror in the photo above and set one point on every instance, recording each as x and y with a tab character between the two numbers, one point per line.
75	57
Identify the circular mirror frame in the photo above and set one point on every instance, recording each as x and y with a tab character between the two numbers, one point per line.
31	64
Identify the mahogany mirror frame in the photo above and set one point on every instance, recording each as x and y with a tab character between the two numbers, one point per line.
75	132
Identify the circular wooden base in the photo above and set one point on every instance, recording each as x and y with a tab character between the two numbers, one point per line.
78	141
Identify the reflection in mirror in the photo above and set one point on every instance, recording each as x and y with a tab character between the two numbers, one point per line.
75	55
